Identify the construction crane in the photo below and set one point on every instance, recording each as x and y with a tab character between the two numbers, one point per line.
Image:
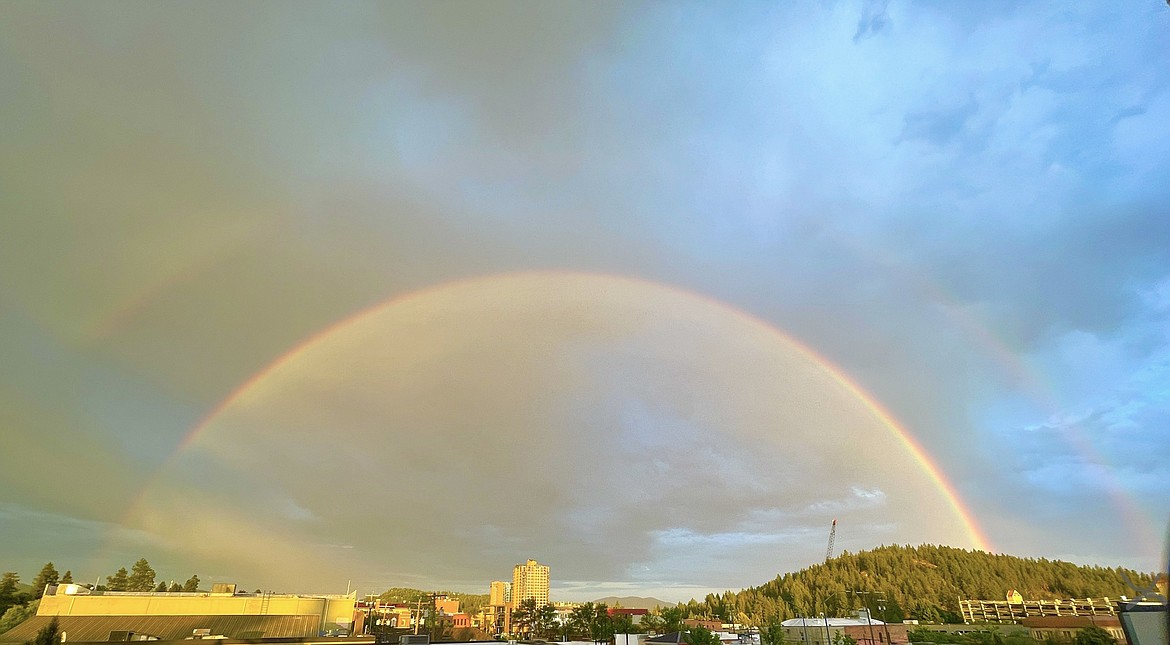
832	536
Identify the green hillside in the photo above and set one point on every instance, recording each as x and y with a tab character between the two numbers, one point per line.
923	583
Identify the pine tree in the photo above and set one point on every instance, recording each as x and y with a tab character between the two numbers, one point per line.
772	633
67	579
8	595
141	577
524	617
701	636
49	635
175	587
118	581
47	576
192	584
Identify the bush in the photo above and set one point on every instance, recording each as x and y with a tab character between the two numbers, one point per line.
17	615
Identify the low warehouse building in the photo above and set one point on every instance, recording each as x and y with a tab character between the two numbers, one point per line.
85	616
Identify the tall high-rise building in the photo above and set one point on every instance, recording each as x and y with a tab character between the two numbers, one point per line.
497	614
500	593
530	580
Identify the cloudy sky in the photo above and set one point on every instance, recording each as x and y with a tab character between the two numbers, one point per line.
307	295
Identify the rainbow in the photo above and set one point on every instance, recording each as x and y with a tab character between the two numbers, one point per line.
1023	375
975	534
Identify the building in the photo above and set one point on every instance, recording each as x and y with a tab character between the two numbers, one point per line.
1010	611
820	630
530	582
1065	628
494	616
446	605
379	617
1143	622
92	616
635	615
500	593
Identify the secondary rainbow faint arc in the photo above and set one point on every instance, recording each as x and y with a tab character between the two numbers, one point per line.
1038	389
907	440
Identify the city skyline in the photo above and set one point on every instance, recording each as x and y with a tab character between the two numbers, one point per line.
399	295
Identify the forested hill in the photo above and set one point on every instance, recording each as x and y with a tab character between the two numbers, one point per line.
924	583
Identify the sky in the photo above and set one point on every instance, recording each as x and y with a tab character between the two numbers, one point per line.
312	296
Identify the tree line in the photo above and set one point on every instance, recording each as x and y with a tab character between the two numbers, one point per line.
923	583
593	622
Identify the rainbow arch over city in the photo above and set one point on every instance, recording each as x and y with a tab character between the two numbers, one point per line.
903	436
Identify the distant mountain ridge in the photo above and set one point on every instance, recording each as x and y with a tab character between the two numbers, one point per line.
634	602
923	583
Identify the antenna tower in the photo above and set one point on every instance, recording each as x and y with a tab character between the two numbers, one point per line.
832	536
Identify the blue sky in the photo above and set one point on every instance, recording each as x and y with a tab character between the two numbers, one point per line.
962	206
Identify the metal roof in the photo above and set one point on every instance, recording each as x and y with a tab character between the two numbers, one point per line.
98	628
819	621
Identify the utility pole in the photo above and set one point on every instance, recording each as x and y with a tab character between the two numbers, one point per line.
868	612
869	619
417	614
885	625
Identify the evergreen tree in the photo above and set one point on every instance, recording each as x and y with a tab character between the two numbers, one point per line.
701	636
118	581
624	624
672	619
601	629
47	576
141	577
1093	635
175	587
8	595
162	586
67	579
652	623
192	584
524	617
49	635
580	621
772	633
546	621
